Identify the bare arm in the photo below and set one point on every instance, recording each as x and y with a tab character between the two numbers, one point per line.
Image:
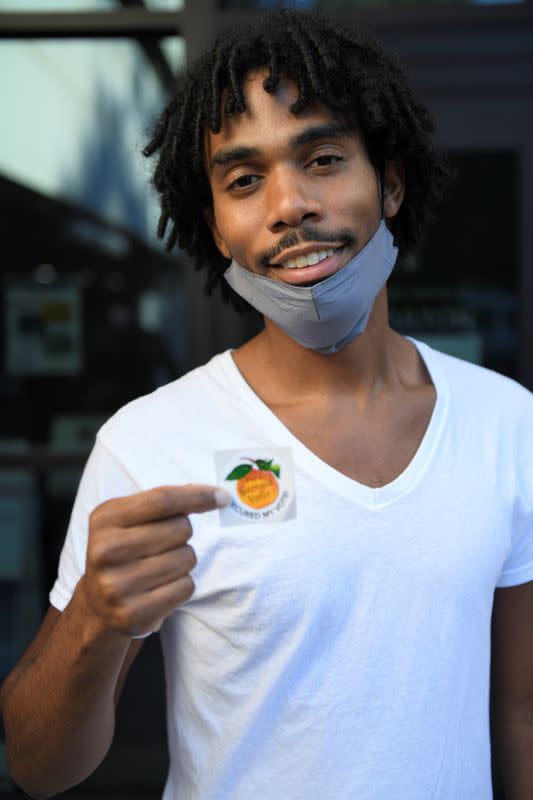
512	688
58	704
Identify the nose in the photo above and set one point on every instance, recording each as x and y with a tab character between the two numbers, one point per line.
290	200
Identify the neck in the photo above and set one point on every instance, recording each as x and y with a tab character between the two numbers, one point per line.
375	361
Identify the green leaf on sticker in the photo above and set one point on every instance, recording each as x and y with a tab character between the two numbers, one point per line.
275	469
239	472
264	464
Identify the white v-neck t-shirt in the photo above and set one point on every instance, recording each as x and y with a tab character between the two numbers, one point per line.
342	654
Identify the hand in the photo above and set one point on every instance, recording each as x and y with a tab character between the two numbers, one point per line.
138	559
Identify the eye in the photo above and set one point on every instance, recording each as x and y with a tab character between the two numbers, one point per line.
243	182
327	160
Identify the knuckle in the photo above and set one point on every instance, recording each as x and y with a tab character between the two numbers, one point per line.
184	527
113	551
188	587
101	511
111	591
163	499
96	554
191	555
94	517
104	551
184	559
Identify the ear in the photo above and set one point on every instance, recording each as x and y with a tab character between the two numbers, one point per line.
209	217
394	188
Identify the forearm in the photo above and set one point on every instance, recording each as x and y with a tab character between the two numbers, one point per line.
513	749
59	712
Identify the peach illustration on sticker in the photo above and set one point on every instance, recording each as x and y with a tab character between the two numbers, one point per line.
262	488
257	482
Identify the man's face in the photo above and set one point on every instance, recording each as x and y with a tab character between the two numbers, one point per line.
295	197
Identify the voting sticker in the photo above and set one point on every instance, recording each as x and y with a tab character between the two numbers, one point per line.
260	481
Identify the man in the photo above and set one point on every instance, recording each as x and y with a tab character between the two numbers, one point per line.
327	628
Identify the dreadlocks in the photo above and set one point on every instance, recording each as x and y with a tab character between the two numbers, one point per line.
343	69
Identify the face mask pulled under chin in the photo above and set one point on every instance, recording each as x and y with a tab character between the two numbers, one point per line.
327	316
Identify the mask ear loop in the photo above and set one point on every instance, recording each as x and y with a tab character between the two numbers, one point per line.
382	182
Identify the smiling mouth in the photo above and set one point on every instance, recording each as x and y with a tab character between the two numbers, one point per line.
309	259
316	268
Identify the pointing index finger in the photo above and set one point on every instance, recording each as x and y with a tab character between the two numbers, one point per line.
163	502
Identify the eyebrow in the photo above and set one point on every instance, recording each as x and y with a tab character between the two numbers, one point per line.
328	130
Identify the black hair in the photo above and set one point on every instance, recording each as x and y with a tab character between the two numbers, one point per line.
342	68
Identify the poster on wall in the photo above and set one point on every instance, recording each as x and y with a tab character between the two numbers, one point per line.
43	335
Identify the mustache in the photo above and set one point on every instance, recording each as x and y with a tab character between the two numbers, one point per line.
306	233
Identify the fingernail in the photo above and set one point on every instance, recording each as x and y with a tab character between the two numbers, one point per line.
222	498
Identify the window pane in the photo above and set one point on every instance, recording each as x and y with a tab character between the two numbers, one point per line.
92	120
335	5
93	301
83	5
57	5
165	5
174	50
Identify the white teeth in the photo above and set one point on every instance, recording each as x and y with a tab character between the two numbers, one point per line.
309	259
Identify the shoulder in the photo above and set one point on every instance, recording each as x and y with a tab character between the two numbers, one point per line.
483	389
175	406
489	419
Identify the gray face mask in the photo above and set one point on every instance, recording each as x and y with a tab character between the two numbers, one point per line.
328	315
